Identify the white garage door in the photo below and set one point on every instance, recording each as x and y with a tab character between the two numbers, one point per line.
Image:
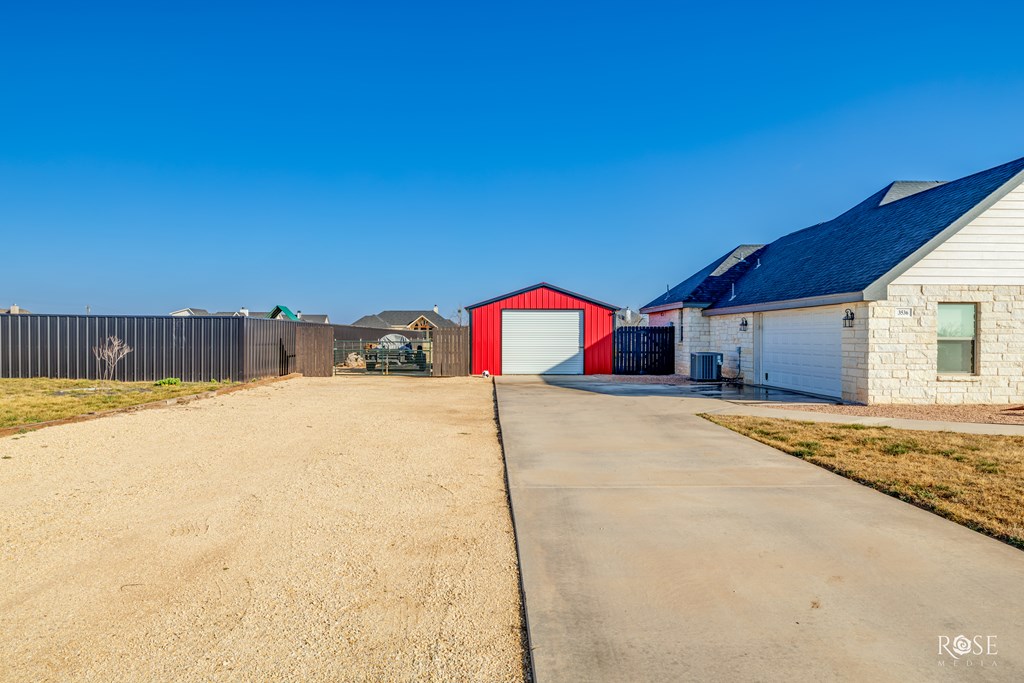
802	350
542	342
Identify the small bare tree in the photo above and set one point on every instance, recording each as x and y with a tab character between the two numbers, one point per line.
110	352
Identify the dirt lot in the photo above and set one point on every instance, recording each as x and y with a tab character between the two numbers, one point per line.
317	529
997	414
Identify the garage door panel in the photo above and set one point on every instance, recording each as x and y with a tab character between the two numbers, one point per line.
802	350
542	342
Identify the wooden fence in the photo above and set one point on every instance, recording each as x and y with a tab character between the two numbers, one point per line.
644	351
451	352
314	350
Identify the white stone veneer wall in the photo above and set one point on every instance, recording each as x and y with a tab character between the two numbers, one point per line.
902	352
726	337
855	339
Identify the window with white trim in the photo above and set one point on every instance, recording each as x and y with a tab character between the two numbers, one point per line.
957	332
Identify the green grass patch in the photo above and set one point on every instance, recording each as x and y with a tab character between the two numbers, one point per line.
28	401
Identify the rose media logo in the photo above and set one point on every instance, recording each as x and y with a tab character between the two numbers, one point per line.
962	650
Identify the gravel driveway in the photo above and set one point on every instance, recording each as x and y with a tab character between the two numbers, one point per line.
317	529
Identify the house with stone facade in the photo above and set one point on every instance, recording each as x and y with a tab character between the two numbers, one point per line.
915	295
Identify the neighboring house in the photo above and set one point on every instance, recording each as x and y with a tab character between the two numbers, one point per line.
627	317
406	320
279	313
15	309
915	295
285	313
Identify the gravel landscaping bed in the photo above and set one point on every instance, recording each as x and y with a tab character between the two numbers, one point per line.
351	528
995	414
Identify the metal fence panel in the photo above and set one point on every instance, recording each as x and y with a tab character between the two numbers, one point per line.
268	347
193	348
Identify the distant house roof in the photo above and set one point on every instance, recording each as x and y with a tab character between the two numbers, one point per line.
314	318
851	254
191	311
548	286
371	321
387	319
20	311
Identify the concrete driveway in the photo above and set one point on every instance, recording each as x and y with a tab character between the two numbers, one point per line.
656	546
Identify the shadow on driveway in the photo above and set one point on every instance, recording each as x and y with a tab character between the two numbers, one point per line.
739	393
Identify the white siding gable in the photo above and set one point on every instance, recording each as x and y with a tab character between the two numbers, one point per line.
987	251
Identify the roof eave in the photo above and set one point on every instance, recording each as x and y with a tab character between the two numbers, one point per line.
878	290
539	285
806	302
674	305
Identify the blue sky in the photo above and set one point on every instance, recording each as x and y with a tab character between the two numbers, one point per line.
351	157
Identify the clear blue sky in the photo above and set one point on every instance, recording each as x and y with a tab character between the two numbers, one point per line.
351	157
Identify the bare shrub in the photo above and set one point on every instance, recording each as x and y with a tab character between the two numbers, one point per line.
110	352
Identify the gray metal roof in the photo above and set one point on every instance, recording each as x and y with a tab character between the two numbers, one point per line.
851	252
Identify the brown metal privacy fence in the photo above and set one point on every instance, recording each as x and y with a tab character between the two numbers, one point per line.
193	348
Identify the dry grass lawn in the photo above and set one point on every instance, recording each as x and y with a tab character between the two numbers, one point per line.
27	401
1009	414
975	480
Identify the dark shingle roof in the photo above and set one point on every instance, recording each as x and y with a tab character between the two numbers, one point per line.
371	321
852	251
403	318
712	282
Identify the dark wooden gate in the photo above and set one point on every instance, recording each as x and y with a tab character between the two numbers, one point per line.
451	352
314	349
644	351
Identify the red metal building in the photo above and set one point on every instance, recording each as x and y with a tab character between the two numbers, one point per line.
542	329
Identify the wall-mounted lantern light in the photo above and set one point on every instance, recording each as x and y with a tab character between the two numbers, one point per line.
848	318
743	324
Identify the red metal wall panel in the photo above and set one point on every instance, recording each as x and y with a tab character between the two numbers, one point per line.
485	324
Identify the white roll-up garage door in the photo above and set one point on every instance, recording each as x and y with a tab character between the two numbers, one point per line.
542	342
803	350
